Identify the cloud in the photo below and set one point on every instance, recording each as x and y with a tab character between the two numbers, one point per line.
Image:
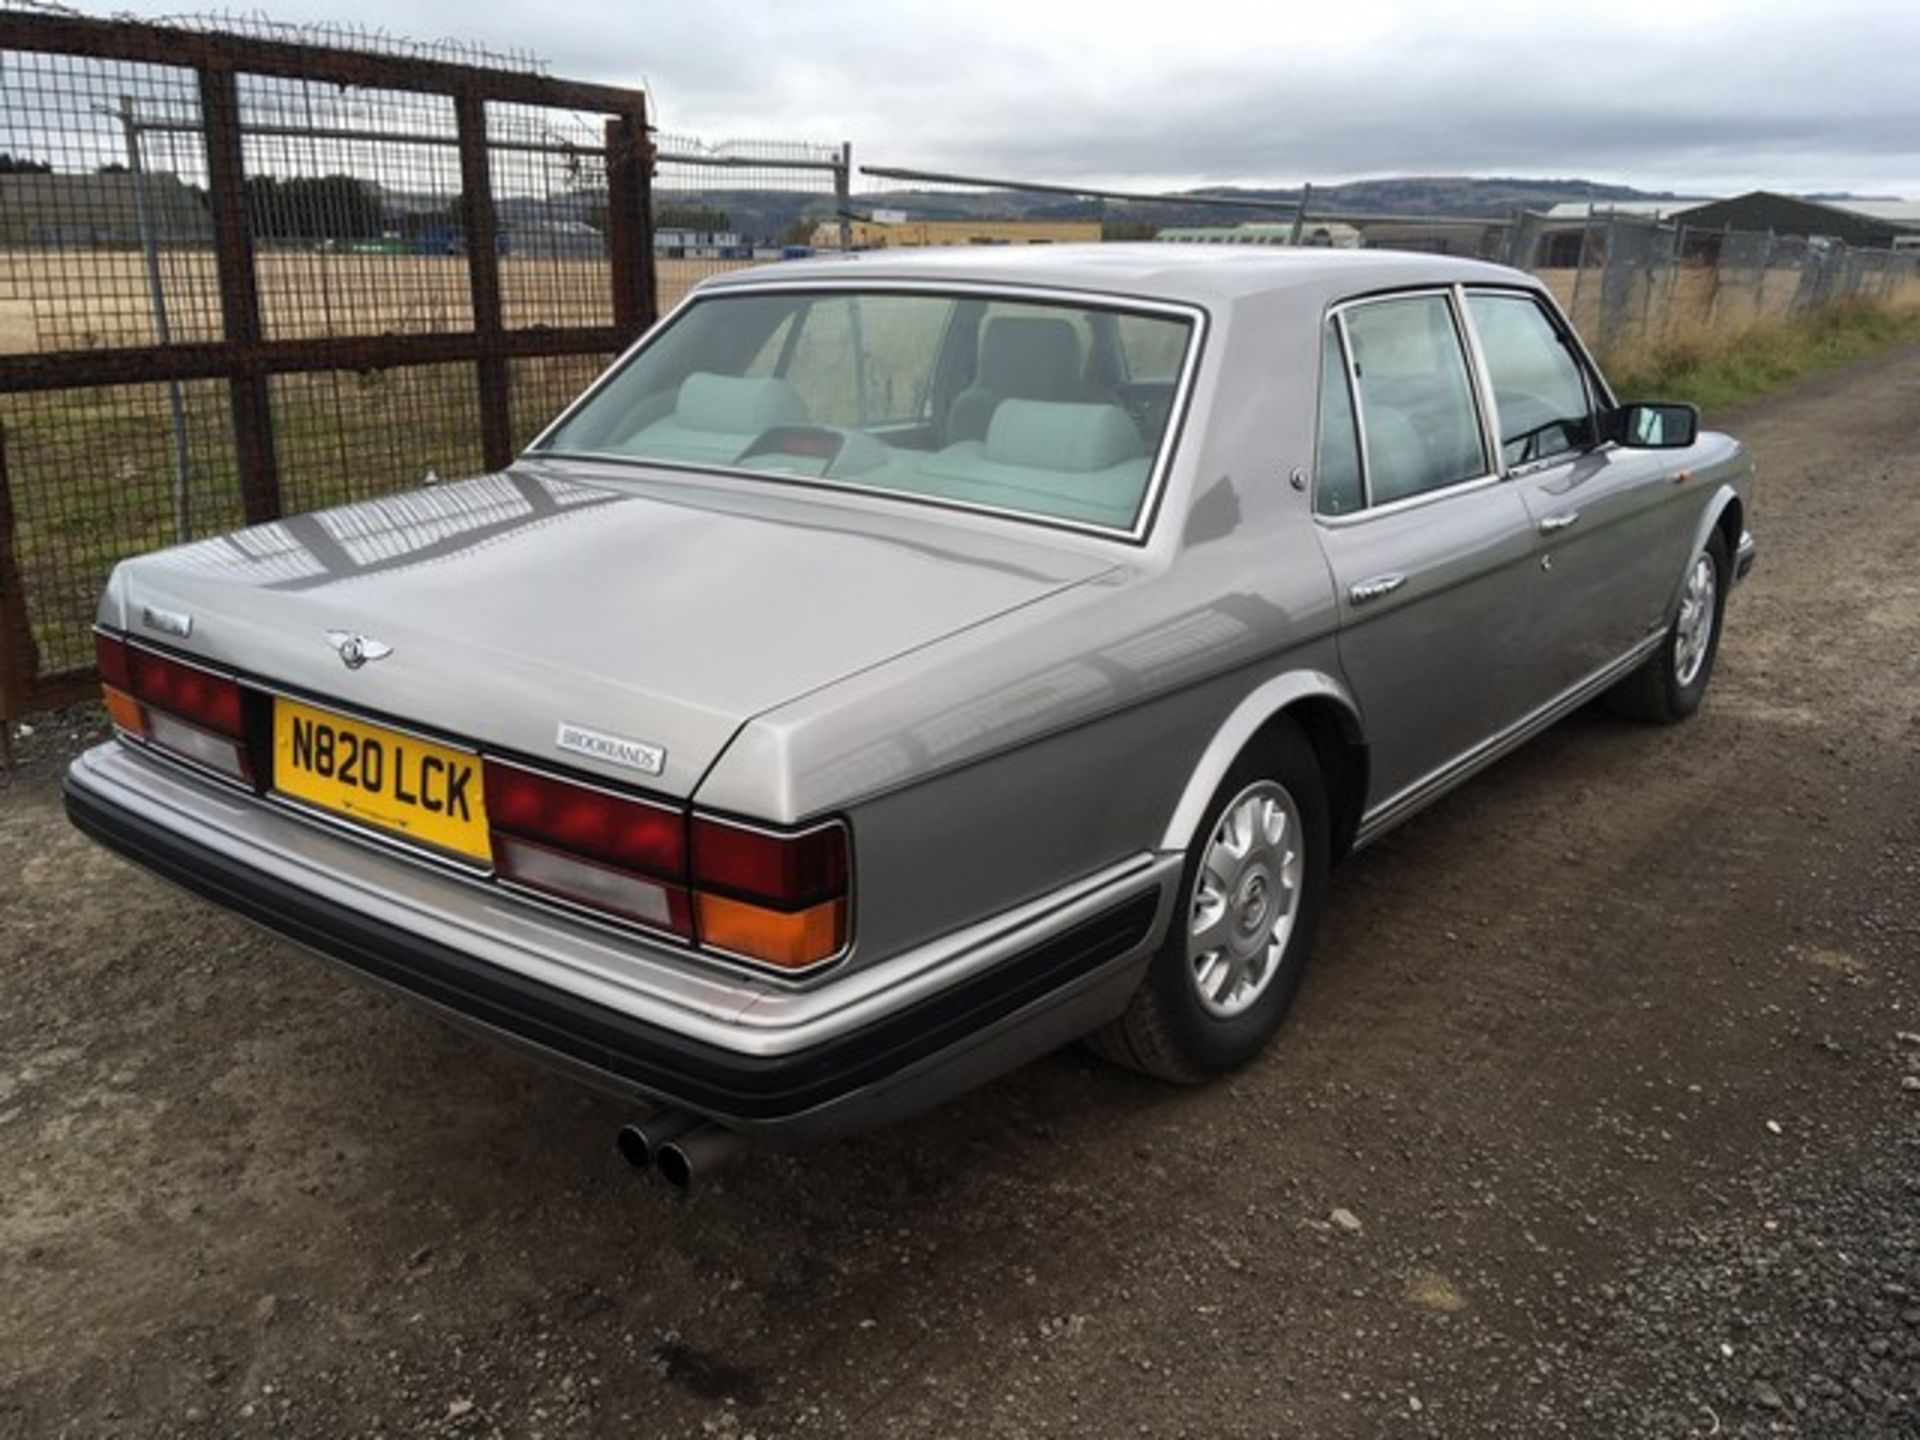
1705	96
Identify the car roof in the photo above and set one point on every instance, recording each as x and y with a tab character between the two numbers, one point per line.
1193	273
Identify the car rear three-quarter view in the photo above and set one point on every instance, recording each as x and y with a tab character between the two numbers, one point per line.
897	667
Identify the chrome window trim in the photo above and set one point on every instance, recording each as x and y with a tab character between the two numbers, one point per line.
1483	388
1368	510
1150	499
1359	412
1412	502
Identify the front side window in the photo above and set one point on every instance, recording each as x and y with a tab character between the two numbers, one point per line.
1417	413
1039	409
1538	393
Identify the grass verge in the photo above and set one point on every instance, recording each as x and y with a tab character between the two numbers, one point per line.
1718	373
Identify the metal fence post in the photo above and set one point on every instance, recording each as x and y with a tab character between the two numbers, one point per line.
157	300
1609	328
19	656
630	222
483	278
252	395
1580	271
1300	216
843	193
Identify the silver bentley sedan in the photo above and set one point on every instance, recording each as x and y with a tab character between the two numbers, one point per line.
896	667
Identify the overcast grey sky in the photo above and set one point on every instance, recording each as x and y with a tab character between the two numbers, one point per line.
1695	95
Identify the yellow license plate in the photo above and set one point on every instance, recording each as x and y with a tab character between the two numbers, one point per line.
381	777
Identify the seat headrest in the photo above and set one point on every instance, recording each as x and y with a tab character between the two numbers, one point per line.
1037	356
1043	435
735	406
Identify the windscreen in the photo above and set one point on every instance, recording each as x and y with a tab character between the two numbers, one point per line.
1053	411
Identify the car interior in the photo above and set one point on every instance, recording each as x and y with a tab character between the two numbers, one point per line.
1022	407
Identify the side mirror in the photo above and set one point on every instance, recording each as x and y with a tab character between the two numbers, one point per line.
1655	426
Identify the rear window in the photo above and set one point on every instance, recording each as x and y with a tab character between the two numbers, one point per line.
1053	411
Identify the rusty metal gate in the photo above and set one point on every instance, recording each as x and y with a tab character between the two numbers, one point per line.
242	273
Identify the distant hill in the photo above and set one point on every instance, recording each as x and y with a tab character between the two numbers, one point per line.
764	214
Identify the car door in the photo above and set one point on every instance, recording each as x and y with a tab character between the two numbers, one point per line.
1611	544
1432	555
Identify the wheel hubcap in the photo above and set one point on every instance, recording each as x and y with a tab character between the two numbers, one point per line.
1693	631
1245	899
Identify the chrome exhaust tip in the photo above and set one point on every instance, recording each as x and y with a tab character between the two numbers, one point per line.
639	1142
698	1152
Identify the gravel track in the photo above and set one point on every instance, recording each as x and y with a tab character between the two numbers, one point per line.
1603	1058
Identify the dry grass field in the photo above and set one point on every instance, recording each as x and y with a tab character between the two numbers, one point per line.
65	299
1700	305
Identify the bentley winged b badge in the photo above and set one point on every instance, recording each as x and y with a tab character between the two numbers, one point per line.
357	650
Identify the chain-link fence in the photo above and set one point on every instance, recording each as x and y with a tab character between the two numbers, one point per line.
1633	284
247	269
742	202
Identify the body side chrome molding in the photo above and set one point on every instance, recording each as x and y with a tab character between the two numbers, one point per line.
1423	792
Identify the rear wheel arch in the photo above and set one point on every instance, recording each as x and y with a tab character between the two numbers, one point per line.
1316	705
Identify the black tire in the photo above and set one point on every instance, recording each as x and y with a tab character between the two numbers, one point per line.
1655	692
1166	1031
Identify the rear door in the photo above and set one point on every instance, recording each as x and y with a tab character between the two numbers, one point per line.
1611	546
1432	554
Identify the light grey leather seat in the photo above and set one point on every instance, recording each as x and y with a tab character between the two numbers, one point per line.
716	417
1022	357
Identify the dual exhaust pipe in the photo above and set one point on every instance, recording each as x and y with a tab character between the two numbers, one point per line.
680	1146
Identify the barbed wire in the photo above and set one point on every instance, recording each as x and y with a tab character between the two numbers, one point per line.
331	34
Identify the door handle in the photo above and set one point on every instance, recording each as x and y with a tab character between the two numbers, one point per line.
1374	587
1555	523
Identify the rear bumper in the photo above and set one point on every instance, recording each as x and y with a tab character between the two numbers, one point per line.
1039	983
1743	556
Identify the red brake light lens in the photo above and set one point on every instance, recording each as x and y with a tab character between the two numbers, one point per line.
598	824
789	872
205	699
110	655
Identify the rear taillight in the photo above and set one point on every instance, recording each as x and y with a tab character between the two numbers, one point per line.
776	898
180	707
618	829
773	897
116	684
591	846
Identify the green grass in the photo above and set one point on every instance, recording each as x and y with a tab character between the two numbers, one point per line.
92	471
1715	374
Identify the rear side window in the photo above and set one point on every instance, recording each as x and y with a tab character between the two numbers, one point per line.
1337	462
1538	393
1417	412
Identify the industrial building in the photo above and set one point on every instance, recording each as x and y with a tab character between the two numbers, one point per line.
879	234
